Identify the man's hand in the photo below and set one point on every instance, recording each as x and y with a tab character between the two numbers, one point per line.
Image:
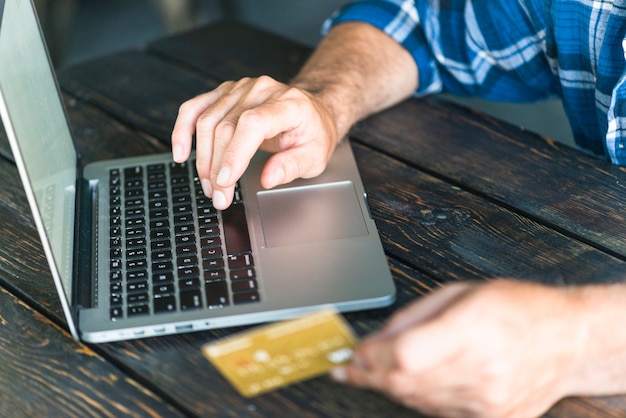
239	117
504	349
355	71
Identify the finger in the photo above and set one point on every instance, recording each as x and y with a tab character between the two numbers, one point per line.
305	161
210	142
185	125
424	309
253	127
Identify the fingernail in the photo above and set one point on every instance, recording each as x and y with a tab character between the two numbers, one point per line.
219	200
278	177
223	176
206	187
177	153
339	374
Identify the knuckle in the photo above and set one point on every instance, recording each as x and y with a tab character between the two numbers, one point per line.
493	402
265	81
186	107
224	129
250	118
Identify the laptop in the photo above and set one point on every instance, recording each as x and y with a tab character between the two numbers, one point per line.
136	250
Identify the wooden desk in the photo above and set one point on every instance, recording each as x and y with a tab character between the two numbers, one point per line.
456	195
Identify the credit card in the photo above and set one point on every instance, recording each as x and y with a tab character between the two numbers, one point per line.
276	355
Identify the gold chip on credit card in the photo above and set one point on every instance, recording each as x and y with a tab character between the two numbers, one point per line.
272	356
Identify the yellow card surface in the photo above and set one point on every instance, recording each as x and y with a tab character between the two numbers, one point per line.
272	356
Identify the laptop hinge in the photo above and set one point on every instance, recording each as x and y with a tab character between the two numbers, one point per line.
85	271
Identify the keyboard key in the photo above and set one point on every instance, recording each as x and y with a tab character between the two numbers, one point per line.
213	275
139	252
187	261
163	289
138	310
136	242
190	299
161	255
163	277
210	242
138	298
246	297
188	272
136	264
189	284
213	264
185	239
186	249
210	253
238	261
133	172
162	266
131	213
184	229
116	313
247	273
160	245
159	224
243	285
165	304
216	293
236	235
182	189
209	231
140	286
159	213
185	218
137	275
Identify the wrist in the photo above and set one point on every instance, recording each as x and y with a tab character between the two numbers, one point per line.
332	103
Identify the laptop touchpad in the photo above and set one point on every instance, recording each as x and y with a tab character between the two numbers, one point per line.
299	215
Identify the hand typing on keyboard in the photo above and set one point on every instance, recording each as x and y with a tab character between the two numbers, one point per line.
234	120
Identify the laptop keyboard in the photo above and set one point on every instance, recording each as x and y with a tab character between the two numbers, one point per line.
169	250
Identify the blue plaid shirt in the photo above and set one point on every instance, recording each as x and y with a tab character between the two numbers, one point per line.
518	50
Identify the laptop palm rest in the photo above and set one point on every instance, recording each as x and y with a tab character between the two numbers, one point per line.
313	213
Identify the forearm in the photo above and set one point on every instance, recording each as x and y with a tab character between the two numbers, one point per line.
601	339
358	70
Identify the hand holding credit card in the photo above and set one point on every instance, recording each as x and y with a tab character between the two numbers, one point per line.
272	356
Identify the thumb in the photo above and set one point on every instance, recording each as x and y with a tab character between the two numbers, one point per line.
293	163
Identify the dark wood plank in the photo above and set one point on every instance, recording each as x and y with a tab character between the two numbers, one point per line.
453	234
100	136
129	85
45	373
230	50
562	187
23	267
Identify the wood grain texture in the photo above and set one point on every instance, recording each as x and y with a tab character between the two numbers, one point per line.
566	189
230	50
44	373
453	234
131	86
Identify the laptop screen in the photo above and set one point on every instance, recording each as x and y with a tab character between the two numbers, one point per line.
34	120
